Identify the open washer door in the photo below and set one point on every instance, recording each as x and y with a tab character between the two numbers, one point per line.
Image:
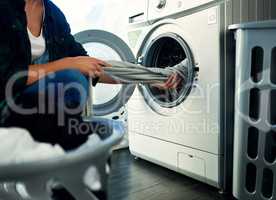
165	46
107	98
168	49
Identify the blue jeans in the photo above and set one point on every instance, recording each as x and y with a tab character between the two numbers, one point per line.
70	86
53	97
58	81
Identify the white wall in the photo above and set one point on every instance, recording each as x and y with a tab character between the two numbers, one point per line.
110	15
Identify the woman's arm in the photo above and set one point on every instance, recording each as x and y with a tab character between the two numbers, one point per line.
172	83
76	49
88	66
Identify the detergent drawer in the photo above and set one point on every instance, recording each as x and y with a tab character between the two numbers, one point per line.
192	164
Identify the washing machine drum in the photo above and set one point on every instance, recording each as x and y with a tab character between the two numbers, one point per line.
168	50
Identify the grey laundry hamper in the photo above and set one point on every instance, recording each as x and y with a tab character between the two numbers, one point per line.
67	170
255	111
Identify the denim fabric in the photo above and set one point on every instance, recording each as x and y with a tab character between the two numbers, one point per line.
54	94
68	79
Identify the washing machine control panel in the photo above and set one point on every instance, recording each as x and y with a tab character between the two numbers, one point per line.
162	8
137	11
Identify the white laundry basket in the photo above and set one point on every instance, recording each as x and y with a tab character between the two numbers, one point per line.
68	170
255	111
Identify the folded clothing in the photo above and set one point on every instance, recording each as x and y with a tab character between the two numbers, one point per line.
17	146
134	73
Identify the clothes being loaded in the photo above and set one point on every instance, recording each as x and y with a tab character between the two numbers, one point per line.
133	73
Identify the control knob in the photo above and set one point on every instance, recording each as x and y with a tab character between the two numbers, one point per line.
161	4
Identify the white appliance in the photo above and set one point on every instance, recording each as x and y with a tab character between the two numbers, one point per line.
181	129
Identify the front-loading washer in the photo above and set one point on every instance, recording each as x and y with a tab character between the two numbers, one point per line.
181	129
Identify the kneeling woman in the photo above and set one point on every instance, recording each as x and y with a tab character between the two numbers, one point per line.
44	72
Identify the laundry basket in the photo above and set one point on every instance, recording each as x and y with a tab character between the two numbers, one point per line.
68	170
255	111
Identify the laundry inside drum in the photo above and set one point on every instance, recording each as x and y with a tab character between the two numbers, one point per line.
168	51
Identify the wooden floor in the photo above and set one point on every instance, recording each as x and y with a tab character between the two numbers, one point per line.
140	180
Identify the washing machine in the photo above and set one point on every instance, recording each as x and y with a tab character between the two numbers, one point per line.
181	129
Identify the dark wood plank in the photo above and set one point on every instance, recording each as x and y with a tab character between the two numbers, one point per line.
139	180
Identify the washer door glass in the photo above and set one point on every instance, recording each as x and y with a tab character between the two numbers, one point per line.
168	50
107	98
103	93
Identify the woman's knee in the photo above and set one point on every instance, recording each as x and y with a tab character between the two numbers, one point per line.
70	76
74	87
67	87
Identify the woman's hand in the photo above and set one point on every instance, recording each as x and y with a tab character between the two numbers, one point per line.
88	65
172	83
